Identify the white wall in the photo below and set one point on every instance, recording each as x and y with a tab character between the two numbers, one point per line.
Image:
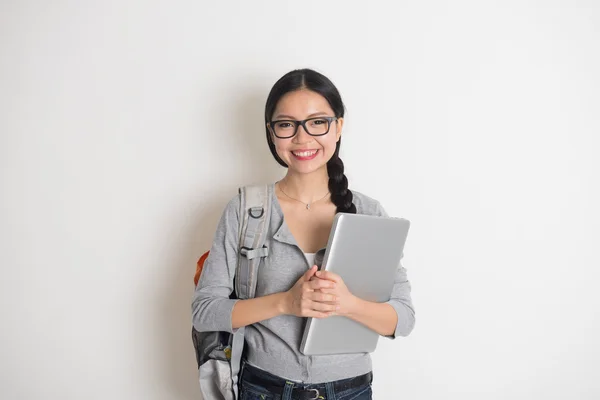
126	126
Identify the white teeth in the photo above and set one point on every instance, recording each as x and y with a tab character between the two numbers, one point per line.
304	153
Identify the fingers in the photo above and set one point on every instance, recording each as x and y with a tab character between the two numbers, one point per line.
317	284
310	273
330	276
322	297
309	306
316	295
327	291
320	315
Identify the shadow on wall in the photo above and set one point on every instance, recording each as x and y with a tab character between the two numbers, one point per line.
251	152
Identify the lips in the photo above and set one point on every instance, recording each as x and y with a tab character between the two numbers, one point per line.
305	154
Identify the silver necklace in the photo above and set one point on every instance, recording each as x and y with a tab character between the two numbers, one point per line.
306	204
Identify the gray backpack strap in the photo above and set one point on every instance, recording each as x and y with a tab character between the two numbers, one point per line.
255	216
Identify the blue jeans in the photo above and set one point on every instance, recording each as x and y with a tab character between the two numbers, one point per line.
256	384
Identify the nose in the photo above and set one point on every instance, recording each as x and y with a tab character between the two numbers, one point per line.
302	136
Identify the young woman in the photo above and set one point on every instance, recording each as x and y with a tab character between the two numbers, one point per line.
304	119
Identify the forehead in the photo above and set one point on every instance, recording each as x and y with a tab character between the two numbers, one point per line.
302	103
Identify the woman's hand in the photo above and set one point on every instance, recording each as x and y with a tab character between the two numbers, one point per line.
308	299
347	301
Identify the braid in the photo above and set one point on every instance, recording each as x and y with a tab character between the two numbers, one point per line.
341	196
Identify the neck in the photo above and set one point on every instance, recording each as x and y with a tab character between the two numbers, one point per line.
306	187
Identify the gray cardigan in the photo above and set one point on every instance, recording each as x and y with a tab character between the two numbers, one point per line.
274	344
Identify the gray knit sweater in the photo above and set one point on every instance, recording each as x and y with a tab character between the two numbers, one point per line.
274	344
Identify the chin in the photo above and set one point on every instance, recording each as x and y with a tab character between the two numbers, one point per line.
306	169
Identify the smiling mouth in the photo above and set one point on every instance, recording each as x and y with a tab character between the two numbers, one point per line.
305	153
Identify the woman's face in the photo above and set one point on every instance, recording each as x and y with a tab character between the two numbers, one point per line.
304	153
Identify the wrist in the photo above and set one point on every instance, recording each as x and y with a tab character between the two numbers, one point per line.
281	303
354	306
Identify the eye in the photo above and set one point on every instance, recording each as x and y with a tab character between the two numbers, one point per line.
283	125
318	121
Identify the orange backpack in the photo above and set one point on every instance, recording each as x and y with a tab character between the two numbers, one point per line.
199	266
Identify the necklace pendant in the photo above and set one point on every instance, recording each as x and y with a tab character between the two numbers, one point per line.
308	206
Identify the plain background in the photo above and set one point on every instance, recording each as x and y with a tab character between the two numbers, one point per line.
127	125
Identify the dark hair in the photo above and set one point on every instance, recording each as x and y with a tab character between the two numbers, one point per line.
308	79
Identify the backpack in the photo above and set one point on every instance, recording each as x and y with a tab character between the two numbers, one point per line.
219	354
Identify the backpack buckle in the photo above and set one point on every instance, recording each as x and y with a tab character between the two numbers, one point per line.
253	253
256	212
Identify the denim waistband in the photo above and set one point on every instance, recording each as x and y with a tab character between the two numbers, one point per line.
278	385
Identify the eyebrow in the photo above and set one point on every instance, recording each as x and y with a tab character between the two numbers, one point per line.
279	116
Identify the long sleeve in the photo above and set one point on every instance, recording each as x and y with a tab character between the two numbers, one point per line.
402	303
211	305
401	298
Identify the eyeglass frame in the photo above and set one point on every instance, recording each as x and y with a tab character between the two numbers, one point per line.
303	124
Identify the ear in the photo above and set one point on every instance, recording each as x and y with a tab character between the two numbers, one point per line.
340	126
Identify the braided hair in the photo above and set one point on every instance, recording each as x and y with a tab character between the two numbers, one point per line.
298	79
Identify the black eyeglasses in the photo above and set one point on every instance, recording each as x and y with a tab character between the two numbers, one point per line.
287	128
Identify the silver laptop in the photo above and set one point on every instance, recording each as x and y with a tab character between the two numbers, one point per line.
365	251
